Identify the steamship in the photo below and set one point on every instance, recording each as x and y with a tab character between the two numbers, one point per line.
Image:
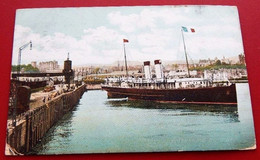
184	90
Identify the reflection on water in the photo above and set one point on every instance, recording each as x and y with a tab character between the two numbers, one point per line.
184	107
229	111
101	125
60	134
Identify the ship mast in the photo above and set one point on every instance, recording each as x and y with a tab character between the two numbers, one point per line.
125	41
187	62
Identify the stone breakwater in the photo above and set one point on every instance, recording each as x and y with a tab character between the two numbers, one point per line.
33	124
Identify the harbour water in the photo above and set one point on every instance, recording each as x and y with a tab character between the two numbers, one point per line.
100	125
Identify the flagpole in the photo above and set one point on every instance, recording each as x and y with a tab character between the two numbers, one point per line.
185	53
125	61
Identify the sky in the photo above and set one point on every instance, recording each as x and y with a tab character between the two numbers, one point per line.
94	35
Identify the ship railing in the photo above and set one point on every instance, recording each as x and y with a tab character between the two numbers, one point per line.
176	84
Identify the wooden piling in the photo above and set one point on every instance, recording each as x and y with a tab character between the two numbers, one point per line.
35	123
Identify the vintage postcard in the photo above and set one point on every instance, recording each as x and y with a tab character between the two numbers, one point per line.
128	79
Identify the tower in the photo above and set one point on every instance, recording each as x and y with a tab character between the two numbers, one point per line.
67	71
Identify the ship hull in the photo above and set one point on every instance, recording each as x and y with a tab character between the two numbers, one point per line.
208	95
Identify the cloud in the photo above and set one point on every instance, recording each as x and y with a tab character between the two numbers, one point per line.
101	35
153	33
146	19
93	47
219	30
126	23
156	37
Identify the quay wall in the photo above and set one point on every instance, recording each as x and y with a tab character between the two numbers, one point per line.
239	81
33	124
93	86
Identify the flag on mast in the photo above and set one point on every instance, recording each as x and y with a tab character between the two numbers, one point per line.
125	40
185	29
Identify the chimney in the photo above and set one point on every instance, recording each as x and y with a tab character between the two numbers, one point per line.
158	69
147	70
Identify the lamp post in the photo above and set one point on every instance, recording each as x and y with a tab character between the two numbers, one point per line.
14	86
20	55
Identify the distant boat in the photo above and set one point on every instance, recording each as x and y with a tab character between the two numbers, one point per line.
178	90
118	99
